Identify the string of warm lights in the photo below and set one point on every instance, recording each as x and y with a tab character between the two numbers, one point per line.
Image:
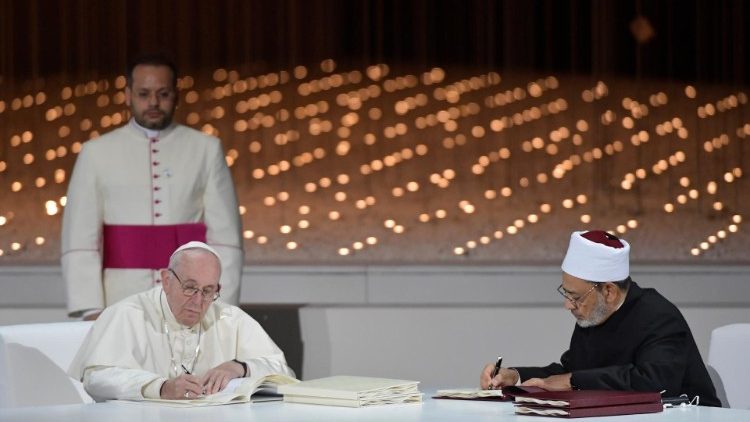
661	166
711	189
713	239
343	152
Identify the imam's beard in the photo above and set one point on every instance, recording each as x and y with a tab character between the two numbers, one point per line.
597	316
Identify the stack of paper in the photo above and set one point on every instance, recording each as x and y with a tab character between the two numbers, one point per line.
585	403
352	391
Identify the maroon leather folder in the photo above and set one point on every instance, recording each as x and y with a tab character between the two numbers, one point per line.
590	398
580	403
581	412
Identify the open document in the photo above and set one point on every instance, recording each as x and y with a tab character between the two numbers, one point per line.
350	391
239	390
506	393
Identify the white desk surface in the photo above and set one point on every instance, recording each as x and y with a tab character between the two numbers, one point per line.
429	410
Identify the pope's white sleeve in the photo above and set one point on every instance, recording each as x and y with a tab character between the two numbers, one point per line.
223	224
108	383
258	351
258	367
81	238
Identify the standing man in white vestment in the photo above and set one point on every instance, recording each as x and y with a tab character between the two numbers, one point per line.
175	341
140	191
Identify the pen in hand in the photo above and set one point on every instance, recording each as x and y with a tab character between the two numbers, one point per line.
495	371
184	368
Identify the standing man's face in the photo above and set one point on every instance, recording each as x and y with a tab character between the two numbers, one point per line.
152	97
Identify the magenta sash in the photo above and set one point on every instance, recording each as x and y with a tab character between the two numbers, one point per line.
146	247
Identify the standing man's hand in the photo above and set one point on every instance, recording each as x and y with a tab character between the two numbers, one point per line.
183	387
503	378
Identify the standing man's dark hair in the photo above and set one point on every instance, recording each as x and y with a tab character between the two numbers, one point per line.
152	59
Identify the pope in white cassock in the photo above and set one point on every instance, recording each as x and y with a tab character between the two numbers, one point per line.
139	192
175	341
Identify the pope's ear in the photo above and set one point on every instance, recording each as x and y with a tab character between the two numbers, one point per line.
164	274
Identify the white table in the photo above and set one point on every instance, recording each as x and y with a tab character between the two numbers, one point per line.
430	410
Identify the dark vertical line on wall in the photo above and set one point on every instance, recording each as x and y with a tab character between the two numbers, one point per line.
380	20
365	32
122	46
699	40
741	57
507	35
420	40
34	40
293	23
6	70
637	190
574	28
80	49
491	34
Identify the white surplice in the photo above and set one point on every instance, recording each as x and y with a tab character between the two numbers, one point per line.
125	178
129	352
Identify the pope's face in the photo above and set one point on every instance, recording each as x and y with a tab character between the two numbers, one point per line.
197	271
152	97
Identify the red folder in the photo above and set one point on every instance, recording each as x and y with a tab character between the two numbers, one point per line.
588	398
580	403
582	412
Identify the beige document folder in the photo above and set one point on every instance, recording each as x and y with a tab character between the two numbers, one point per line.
351	391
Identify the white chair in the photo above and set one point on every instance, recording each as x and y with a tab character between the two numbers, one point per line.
728	355
34	359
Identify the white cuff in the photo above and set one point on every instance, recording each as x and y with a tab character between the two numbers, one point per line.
152	390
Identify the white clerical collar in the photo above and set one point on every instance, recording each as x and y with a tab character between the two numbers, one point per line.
150	133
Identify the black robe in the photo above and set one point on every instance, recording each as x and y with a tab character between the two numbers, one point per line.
646	345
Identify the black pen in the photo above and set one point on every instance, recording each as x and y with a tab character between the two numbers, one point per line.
495	371
184	368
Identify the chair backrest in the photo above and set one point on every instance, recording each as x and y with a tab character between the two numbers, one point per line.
34	359
728	355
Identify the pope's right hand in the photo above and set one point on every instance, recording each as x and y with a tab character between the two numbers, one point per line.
184	387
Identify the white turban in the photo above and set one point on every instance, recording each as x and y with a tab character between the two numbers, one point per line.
597	256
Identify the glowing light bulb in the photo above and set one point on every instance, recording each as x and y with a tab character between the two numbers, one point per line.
51	207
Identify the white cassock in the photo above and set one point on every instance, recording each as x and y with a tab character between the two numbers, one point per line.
126	193
133	347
